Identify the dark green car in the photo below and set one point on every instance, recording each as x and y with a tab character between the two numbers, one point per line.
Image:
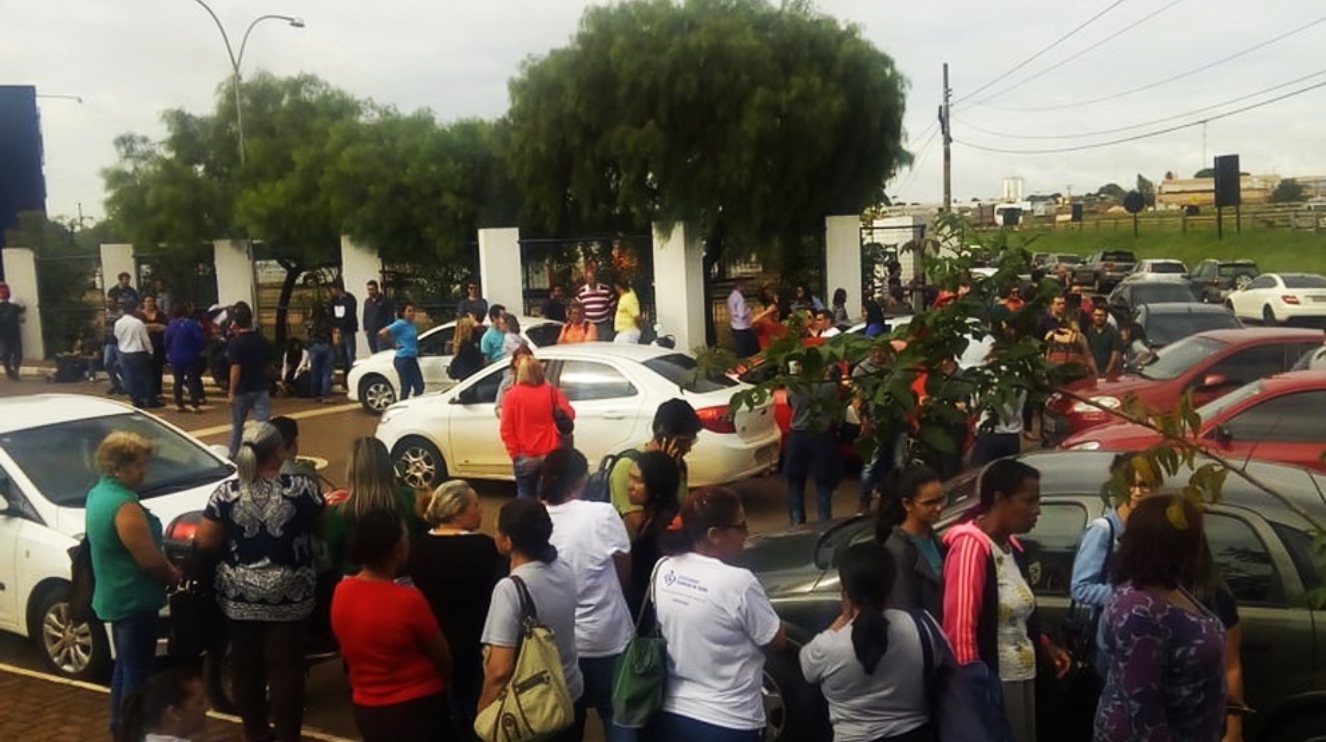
1262	548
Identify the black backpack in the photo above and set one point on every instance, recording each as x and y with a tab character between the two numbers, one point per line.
599	486
82	582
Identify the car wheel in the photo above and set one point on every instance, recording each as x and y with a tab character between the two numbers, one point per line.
793	709
73	650
419	463
216	678
1268	316
1306	727
376	394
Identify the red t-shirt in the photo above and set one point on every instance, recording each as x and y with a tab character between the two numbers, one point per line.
528	426
382	627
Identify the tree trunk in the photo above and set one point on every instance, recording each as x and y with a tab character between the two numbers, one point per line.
713	253
292	271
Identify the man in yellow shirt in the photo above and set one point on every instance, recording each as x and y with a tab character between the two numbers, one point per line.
626	321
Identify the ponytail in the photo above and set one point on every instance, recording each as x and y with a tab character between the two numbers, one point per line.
867	573
143	711
132	724
900	485
261	442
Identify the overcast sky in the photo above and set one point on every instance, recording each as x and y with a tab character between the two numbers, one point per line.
130	59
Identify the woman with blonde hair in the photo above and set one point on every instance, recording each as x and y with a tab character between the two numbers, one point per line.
529	427
263	523
467	357
370	485
131	571
456	567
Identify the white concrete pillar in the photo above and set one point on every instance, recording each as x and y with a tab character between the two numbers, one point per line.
117	259
21	275
501	270
842	260
359	265
235	281
679	283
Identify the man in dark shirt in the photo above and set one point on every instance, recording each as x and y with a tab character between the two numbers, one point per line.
248	355
1049	322
474	305
124	294
11	332
553	308
342	307
379	311
1105	342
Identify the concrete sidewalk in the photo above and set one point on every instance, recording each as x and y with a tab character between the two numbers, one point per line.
36	707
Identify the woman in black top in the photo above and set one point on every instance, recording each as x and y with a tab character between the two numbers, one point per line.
911	502
456	567
654	480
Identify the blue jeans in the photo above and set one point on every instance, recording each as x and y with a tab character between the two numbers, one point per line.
811	455
110	361
669	726
135	639
347	349
412	379
873	473
527	476
598	672
261	405
320	371
137	371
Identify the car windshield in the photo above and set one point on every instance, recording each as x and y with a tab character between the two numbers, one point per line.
1068	259
1173	360
1168	268
1211	409
682	370
1301	281
1159	293
1163	329
61	459
1229	270
1117	256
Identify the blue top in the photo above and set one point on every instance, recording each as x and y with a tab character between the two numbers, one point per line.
407	338
184	342
122	587
1090	584
491	343
928	548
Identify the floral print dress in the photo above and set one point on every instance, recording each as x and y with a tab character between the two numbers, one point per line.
1165	671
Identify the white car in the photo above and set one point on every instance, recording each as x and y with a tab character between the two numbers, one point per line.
1273	298
373	381
615	390
48	446
1163	268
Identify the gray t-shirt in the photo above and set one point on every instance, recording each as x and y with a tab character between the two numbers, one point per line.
811	408
863	707
553	588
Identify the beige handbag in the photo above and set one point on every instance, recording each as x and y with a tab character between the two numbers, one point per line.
536	703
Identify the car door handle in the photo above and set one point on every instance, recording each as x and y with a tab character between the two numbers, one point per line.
614	415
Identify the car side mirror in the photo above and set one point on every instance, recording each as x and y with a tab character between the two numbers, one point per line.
1223	434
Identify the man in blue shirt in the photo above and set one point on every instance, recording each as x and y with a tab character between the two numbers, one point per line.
495	336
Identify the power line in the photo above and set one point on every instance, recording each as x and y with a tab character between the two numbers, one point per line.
1042	52
1080	53
1147	135
1145	124
1171	79
917	164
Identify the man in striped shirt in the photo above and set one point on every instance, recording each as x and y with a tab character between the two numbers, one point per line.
597	299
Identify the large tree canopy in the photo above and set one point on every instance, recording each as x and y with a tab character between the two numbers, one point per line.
750	119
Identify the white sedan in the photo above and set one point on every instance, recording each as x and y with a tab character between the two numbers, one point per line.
48	445
1273	298
374	383
615	390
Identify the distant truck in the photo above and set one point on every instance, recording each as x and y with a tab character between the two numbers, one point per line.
1104	269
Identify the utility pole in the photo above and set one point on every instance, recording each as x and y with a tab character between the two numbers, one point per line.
944	122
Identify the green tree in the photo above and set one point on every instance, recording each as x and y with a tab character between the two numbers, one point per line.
1112	191
753	121
1288	191
1147	189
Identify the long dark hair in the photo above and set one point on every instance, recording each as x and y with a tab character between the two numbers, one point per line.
899	485
1163	545
144	710
661	478
527	523
867	572
562	470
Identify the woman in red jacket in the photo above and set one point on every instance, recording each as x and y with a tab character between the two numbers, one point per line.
529	430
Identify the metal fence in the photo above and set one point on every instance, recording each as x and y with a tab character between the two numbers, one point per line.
549	262
72	301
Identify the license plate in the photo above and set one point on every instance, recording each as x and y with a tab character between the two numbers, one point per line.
766	455
1319	299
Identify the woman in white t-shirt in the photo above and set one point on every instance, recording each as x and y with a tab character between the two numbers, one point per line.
869	662
591	538
718	622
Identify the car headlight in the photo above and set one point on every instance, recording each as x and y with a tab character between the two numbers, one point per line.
1109	403
1086	446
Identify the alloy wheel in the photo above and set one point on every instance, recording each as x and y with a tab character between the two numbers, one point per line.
68	644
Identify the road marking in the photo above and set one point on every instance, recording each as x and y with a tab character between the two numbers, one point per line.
82	685
219	429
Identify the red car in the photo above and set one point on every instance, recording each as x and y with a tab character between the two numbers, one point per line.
1211	364
1275	419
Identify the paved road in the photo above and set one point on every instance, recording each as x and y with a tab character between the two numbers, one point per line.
327	431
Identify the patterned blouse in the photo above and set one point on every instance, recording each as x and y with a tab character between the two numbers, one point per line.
1165	671
267	570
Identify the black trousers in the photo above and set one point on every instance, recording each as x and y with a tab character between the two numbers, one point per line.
11	354
187	375
426	719
269	655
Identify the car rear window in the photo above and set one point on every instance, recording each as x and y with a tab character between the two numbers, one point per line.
1118	256
1167	268
1304	282
682	370
1163	329
1156	292
1229	270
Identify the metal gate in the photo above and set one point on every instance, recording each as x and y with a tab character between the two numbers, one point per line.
186	274
72	302
558	261
435	288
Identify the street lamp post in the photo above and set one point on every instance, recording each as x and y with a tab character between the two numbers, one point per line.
237	60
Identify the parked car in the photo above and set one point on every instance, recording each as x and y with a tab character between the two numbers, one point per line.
1133	293
1215	279
1281	297
1209	364
1159	267
1276	419
1104	269
614	389
48	446
1050	260
1164	323
1262	548
374	383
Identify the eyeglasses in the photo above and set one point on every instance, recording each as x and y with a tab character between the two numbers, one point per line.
934	502
742	526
